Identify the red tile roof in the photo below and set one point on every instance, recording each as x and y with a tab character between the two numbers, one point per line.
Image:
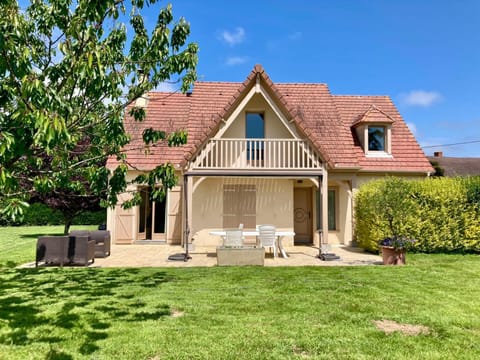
165	111
324	119
373	116
406	153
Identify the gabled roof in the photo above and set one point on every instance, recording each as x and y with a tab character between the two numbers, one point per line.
373	116
320	117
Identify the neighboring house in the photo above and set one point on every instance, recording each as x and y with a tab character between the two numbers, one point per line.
260	152
454	166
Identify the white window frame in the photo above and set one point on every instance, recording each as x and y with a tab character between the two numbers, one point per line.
387	152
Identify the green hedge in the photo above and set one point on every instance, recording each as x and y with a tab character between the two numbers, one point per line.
443	214
38	214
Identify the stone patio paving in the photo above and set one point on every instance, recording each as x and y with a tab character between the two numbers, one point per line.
146	255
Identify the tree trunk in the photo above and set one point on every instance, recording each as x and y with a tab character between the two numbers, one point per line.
67	224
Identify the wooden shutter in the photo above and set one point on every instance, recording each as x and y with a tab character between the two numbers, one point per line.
239	206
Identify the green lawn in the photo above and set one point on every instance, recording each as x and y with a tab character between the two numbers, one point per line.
240	312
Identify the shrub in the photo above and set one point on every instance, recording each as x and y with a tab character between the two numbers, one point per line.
91	218
441	214
38	214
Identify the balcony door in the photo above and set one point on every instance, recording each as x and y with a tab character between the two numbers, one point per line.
151	217
255	129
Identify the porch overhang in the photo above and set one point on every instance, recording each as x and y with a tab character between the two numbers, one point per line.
319	178
256	173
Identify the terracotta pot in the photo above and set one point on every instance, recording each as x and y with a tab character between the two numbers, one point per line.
392	256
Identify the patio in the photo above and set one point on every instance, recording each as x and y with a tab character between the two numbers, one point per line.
156	255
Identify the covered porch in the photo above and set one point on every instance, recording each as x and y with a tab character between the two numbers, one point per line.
249	182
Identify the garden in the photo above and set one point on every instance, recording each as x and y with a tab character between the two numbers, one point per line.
365	312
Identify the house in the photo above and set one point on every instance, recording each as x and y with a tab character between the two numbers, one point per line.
260	152
454	166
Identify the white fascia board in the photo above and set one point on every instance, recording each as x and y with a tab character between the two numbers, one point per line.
235	113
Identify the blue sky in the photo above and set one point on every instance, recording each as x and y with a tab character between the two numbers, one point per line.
424	54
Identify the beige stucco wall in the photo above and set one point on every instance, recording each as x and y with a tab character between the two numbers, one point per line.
343	233
274	205
274	129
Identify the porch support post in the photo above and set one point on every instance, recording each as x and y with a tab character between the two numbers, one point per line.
187	197
324	192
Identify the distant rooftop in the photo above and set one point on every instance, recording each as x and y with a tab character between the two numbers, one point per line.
456	166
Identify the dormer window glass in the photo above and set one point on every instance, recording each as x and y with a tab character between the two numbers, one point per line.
376	138
255	126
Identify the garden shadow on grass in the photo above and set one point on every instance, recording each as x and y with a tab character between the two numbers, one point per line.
86	302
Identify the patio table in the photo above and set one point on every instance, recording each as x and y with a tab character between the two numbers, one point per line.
279	234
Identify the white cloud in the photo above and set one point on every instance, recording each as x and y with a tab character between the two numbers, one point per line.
421	98
234	37
236	60
413	128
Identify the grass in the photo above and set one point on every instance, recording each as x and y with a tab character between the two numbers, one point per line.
241	312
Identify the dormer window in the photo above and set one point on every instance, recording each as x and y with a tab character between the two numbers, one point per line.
374	131
376	138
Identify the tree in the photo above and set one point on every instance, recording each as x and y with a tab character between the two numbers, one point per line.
439	171
68	72
394	203
70	202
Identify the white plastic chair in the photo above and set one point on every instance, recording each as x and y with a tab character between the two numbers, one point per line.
233	237
267	237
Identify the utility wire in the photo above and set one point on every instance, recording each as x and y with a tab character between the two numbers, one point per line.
460	143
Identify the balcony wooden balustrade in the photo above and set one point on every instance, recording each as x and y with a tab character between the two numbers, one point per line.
265	154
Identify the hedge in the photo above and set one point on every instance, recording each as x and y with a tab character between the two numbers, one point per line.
441	214
40	214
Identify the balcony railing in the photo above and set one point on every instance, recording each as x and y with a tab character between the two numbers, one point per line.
272	154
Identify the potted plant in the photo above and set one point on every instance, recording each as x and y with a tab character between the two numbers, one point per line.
394	249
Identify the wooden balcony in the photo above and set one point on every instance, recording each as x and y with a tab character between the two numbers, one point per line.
257	154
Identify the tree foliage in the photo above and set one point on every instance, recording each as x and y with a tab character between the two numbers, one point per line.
68	72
